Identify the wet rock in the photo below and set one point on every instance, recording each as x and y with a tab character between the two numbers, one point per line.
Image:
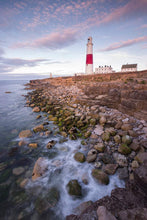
33	145
79	157
74	188
141	157
97	164
18	171
38	116
25	134
82	207
124	149
100	176
91	156
53	197
5	175
133	214
40	168
134	164
102	120
135	146
36	109
87	134
22	143
110	169
85	178
104	214
100	147
38	128
126	127
63	133
117	139
120	159
126	139
24	183
123	173
106	158
3	166
50	144
106	136
48	133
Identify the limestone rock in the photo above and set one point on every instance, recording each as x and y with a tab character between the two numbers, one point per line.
110	169
111	130
120	159
83	206
126	139
134	164
25	134
100	147
106	136
91	156
100	176
36	109
38	128
74	188
126	127
117	139
124	149
79	157
104	214
40	168
98	130
33	145
141	157
135	146
18	171
102	120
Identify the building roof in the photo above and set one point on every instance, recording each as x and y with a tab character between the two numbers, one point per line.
129	66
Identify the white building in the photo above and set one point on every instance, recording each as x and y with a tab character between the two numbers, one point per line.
129	68
104	69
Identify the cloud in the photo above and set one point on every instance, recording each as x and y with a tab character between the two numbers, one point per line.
127	43
55	40
1	51
144	26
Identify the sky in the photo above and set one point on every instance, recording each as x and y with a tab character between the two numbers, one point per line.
39	37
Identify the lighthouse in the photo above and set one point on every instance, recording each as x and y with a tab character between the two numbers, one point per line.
89	57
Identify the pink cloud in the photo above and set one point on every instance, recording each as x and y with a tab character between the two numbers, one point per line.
127	43
55	40
144	26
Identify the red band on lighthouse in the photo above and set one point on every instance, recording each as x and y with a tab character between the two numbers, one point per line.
89	59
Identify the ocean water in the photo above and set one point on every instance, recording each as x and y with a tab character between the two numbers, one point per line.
30	202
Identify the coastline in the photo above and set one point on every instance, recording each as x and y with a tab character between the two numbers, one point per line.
116	141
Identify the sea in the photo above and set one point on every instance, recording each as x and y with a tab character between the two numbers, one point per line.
36	200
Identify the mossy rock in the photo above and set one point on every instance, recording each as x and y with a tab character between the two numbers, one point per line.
117	139
38	128
80	124
87	134
74	188
100	176
73	137
93	121
53	197
106	136
19	197
79	157
124	149
83	142
100	147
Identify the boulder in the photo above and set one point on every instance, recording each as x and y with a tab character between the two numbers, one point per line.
40	168
117	139
91	156
25	134
36	109
123	173
98	130
74	188
120	159
126	127
82	207
134	164
135	146
111	130
18	171
110	169
106	158
38	128
106	136
140	177
79	157
100	176
50	144
124	149
141	157
33	145
104	214
100	147
102	120
126	139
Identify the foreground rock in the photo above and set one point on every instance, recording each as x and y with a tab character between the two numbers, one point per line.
40	168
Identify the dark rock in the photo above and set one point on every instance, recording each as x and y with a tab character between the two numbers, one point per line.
123	173
106	158
79	157
82	207
104	214
74	188
124	149
100	176
50	144
110	169
133	214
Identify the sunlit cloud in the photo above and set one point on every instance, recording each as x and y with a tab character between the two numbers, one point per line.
127	43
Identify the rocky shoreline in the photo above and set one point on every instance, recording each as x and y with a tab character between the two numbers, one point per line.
115	141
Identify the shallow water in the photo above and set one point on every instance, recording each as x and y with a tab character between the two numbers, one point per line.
16	202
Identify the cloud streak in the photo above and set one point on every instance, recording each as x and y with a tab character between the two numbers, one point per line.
56	40
127	43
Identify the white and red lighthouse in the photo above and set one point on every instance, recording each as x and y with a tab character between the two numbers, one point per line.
89	57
